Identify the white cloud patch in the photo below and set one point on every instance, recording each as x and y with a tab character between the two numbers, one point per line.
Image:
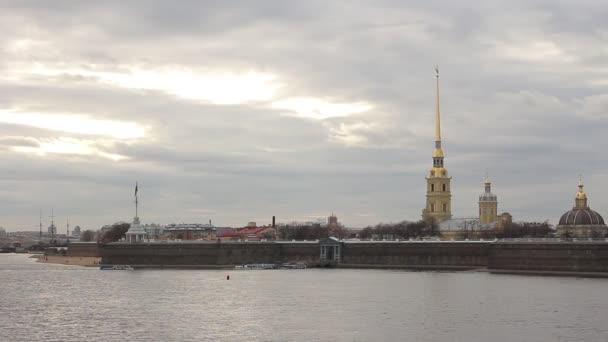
594	107
65	146
72	123
215	87
537	51
350	134
319	109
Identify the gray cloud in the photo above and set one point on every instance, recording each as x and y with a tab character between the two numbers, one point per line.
523	88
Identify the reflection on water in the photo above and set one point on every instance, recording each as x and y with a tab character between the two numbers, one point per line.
70	303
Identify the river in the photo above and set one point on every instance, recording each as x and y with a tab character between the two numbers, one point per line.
46	302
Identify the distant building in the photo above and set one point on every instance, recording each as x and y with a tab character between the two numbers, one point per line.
193	231
251	232
136	233
332	221
52	230
2	233
581	221
462	228
334	228
76	231
154	230
488	204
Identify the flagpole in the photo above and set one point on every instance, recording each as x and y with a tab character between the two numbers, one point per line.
136	202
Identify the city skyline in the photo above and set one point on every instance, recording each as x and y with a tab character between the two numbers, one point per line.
237	114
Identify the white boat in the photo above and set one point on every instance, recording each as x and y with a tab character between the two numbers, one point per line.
116	267
255	267
290	266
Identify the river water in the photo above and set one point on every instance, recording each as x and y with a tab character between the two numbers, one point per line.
45	302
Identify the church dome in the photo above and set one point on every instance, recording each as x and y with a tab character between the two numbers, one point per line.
581	216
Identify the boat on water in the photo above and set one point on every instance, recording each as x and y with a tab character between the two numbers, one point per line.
255	267
288	266
116	267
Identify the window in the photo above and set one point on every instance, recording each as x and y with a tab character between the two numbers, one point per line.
432	187
445	207
443	187
432	207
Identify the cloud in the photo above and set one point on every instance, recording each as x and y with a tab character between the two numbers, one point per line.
594	107
215	87
236	112
320	109
79	124
61	146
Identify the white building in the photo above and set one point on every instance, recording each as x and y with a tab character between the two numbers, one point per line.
136	232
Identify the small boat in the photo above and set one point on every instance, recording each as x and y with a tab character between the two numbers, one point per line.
290	266
255	267
116	267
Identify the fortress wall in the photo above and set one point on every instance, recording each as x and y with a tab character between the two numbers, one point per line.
556	256
523	256
232	253
300	252
84	249
416	254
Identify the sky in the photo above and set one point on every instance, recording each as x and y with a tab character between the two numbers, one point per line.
235	111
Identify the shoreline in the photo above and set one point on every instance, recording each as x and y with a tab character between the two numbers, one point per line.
67	260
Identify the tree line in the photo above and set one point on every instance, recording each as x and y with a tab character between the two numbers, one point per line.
115	233
400	230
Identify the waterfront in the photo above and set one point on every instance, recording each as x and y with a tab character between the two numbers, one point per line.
68	303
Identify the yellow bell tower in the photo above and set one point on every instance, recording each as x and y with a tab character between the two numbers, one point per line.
488	204
438	192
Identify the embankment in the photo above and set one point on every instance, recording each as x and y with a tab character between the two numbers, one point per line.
513	257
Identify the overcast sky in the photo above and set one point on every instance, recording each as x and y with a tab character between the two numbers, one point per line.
237	111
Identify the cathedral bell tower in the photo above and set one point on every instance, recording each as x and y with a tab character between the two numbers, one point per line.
438	192
488	204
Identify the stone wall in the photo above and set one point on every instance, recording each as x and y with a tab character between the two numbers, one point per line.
524	256
556	256
208	254
458	254
84	249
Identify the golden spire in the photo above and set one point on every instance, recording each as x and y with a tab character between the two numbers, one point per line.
437	118
581	193
581	197
438	152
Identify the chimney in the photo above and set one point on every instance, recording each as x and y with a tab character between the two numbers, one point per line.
273	222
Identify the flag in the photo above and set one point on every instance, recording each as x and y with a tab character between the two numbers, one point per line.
135	188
